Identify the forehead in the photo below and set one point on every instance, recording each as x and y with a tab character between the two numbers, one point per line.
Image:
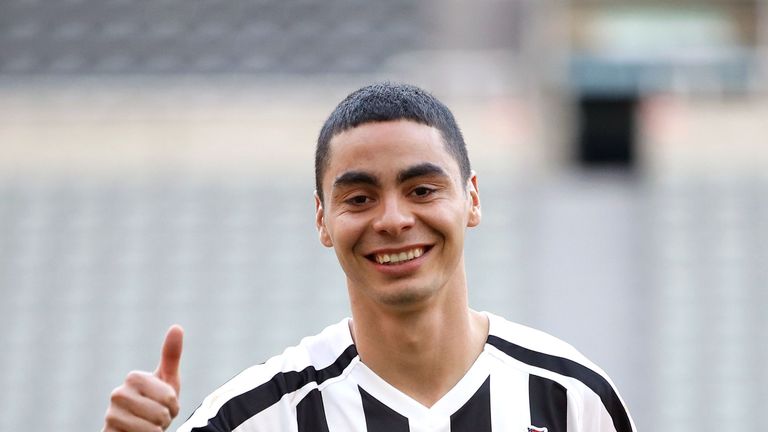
382	147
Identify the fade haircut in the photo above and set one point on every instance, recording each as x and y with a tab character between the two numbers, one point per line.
382	102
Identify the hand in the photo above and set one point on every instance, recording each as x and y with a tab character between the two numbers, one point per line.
148	402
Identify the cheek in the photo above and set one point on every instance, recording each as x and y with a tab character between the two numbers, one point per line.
447	217
346	232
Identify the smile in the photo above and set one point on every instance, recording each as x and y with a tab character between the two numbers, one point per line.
399	257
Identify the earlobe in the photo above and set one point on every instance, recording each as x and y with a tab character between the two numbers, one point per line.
322	231
474	196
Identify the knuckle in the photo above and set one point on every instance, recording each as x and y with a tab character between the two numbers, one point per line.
168	396
118	395
166	418
170	400
169	389
160	416
172	406
110	418
175	410
135	378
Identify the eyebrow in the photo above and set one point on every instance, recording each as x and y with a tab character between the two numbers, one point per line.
421	170
350	178
356	177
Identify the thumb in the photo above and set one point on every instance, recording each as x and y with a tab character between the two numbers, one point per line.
168	369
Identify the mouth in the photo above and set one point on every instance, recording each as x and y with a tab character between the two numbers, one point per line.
398	257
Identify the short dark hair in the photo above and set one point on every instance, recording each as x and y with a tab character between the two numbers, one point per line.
387	101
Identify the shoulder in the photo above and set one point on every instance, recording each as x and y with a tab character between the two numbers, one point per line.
316	361
526	343
542	355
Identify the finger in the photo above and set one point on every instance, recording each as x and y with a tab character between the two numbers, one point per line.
168	369
152	387
141	406
120	419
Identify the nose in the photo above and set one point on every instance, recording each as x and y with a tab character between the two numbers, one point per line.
394	217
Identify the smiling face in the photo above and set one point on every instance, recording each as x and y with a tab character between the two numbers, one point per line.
395	210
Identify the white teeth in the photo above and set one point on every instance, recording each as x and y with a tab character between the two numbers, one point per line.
398	257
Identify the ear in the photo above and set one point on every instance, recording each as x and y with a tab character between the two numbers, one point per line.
322	231
474	196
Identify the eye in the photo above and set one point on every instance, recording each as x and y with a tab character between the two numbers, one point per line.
422	191
358	200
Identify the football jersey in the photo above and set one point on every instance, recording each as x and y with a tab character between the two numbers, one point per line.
524	381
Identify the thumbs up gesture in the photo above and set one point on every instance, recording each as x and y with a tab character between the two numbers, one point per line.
148	402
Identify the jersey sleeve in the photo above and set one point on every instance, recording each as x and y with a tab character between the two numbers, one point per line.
605	412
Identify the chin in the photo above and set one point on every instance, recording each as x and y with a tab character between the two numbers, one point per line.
406	297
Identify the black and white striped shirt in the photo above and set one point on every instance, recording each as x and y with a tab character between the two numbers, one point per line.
524	380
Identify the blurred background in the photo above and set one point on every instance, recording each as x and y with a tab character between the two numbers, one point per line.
156	168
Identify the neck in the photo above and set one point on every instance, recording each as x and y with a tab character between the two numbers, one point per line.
422	351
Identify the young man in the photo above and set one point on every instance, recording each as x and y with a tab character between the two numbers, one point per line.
395	194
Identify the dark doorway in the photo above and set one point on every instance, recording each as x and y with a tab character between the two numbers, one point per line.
607	130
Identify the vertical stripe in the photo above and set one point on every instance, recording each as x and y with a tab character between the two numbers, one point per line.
310	413
563	366
549	405
381	418
475	415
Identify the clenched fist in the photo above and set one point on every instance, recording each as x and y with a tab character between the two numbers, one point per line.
148	402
